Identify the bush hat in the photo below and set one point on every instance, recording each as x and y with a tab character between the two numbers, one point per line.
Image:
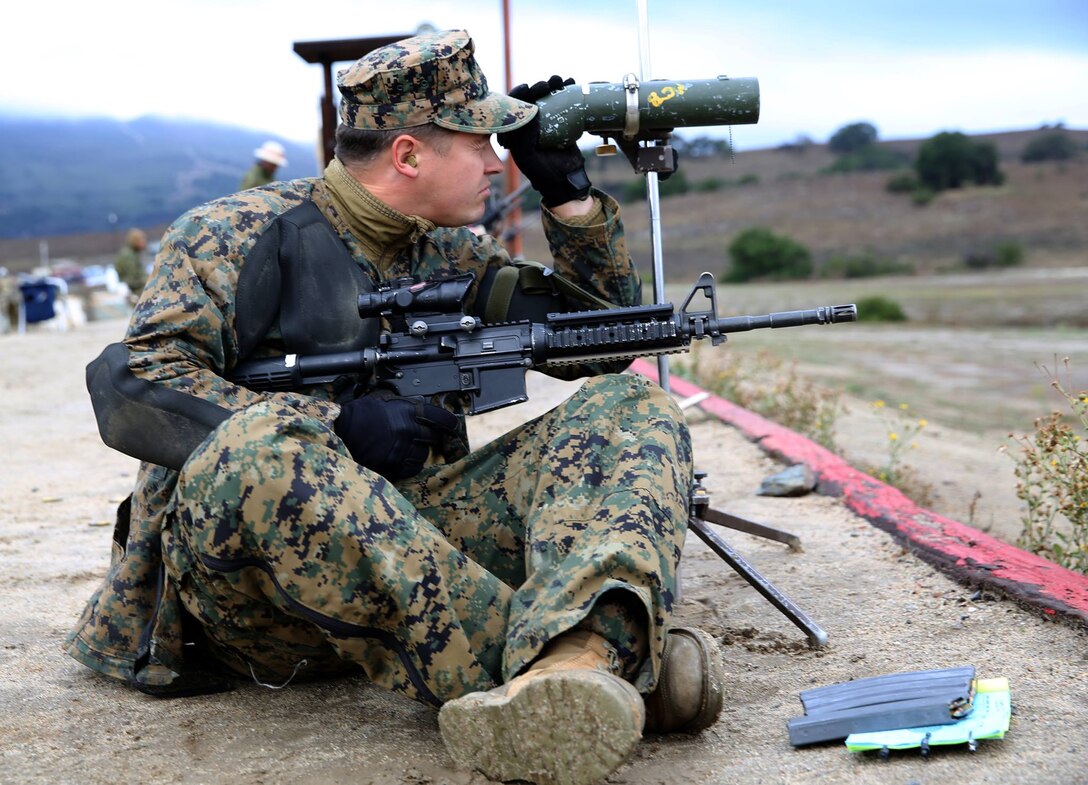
271	152
428	78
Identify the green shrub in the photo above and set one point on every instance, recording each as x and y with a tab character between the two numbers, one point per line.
865	265
869	159
676	183
921	196
709	185
1009	254
1055	146
951	160
901	428
880	309
760	253
634	190
717	183
1052	481
902	183
1006	254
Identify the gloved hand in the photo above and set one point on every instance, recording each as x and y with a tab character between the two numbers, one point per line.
559	175
393	435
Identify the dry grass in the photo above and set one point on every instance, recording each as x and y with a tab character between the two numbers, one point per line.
1042	207
968	356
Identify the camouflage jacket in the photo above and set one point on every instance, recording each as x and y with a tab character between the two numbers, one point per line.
255	177
183	334
129	265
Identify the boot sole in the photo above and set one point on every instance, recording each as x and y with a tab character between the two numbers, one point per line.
571	728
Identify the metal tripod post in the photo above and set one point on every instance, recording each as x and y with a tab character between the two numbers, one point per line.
701	513
653	197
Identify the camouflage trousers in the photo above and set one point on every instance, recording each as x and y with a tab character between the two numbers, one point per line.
295	559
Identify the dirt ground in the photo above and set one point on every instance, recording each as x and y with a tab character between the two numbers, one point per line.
884	610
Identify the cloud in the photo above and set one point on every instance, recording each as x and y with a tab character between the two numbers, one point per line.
820	66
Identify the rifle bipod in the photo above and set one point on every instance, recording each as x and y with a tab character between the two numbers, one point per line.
702	514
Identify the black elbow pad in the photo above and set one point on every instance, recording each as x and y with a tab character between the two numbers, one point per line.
146	420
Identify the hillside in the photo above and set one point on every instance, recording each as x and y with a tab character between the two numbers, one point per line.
1041	206
63	177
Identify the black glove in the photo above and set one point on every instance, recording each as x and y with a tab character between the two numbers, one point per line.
393	435
558	174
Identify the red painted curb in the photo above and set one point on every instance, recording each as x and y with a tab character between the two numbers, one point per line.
966	553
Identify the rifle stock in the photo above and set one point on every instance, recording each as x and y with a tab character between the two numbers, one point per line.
436	349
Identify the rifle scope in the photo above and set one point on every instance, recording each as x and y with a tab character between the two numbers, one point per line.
640	111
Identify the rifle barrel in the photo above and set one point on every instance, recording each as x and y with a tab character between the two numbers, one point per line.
830	314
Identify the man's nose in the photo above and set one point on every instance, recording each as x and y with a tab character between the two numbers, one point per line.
492	163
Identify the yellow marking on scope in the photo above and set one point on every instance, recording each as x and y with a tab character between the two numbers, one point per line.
667	93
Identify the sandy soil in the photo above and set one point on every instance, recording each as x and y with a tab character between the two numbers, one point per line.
885	611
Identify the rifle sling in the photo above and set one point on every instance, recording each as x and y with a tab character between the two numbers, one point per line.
530	290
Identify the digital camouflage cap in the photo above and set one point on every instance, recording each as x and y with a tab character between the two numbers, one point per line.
429	78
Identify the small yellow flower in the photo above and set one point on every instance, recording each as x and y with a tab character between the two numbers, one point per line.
903	406
893	436
923	423
878	404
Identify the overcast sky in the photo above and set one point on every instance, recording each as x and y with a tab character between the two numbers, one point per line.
921	67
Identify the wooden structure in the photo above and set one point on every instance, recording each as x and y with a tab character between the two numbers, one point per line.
326	53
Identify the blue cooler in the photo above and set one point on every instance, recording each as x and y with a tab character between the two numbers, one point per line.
39	300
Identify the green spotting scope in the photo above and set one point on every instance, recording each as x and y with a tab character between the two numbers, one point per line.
640	111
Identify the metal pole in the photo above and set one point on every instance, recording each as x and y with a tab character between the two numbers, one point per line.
652	195
513	218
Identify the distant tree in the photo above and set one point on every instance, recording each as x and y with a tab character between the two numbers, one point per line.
951	160
851	138
799	145
1054	146
700	146
760	253
870	158
675	183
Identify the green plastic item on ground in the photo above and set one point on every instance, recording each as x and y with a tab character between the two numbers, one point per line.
988	719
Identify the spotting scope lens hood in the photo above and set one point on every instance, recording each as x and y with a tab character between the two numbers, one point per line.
634	110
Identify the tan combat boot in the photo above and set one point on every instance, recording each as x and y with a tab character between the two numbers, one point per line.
568	720
688	696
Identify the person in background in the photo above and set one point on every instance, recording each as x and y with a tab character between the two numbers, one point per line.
11	301
130	265
270	157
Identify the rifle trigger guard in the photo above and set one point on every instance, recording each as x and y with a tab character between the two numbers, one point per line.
631	118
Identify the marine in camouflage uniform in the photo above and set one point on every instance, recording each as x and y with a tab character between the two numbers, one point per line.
284	557
129	263
255	177
269	157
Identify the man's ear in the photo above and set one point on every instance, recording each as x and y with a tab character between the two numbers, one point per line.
404	151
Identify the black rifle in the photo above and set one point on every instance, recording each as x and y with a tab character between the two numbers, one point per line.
436	349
